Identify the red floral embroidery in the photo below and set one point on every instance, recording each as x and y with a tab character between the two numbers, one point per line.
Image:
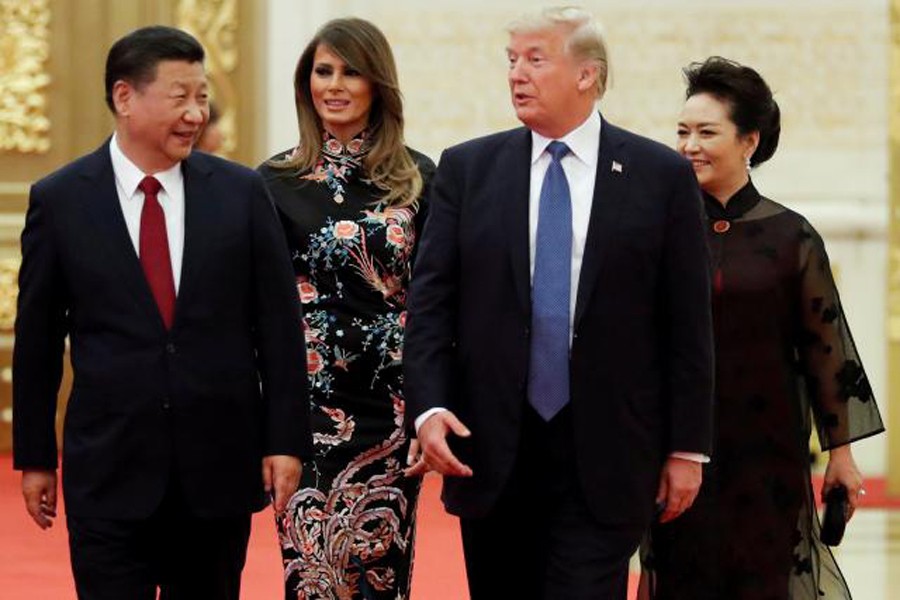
314	362
345	230
307	291
396	236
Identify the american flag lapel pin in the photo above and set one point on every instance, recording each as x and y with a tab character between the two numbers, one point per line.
616	167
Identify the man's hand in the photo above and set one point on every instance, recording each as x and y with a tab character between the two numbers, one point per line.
281	476
679	485
435	453
39	490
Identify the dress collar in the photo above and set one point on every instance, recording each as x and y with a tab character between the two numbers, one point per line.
356	148
737	206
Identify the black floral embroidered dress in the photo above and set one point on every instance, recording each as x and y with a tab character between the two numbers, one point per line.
349	531
785	363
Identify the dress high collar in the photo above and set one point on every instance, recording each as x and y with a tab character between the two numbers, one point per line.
737	206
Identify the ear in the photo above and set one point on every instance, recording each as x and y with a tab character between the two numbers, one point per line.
751	141
122	95
588	73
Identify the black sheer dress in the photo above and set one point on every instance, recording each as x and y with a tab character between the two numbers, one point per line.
348	532
785	363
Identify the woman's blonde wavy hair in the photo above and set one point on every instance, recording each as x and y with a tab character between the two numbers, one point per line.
388	164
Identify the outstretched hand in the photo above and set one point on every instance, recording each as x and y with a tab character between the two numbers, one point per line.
434	453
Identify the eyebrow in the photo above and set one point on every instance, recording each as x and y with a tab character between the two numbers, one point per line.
703	124
534	48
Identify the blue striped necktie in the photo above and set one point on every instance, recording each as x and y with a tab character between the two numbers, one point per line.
548	374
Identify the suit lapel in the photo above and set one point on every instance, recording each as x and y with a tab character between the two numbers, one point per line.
610	195
105	211
516	160
199	213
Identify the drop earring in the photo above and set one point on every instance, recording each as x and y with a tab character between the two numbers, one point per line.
748	164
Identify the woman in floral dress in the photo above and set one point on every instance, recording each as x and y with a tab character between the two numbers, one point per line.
349	198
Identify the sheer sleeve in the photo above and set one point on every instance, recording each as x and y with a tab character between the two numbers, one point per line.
838	390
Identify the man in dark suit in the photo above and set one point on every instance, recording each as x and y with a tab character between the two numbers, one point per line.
170	275
558	344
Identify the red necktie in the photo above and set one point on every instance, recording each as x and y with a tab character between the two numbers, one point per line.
154	251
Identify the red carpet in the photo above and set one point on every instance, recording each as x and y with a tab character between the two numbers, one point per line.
34	564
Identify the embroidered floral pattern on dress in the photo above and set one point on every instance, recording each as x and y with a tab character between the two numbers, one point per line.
348	531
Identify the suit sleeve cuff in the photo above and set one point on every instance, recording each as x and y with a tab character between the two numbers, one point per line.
424	416
692	456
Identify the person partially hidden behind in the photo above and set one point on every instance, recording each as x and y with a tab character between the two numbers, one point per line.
558	343
169	273
211	136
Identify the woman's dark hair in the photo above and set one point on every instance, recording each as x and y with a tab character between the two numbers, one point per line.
134	57
752	106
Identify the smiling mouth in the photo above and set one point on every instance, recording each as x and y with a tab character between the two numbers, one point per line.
337	104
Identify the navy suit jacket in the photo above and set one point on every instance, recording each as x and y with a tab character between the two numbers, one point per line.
640	366
203	402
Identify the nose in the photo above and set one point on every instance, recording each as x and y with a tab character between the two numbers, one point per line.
517	70
689	144
195	113
336	81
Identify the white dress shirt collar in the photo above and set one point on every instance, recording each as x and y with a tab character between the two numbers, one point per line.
583	141
129	175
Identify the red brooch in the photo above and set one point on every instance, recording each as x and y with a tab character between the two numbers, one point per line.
721	226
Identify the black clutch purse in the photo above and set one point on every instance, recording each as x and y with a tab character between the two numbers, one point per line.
834	521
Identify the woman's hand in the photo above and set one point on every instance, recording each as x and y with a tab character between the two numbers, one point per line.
842	470
415	460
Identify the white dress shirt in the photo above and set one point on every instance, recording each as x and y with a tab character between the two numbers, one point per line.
580	167
131	199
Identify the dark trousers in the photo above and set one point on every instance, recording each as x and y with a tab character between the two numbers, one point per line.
540	542
182	555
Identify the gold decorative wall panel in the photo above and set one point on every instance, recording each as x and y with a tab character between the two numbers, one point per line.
52	60
24	77
215	24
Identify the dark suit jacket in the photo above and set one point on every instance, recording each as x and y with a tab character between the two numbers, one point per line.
640	367
202	403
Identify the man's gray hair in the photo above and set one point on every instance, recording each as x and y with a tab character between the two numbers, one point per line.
585	40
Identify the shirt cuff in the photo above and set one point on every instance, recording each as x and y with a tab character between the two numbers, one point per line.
692	456
424	416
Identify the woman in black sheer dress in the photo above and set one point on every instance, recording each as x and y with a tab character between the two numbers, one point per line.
785	364
349	198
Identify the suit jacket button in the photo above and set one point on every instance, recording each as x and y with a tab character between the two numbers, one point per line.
170	348
166	404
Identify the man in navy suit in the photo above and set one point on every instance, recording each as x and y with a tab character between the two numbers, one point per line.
558	343
169	273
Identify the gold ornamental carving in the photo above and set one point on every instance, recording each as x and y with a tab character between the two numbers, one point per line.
9	291
24	54
215	24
